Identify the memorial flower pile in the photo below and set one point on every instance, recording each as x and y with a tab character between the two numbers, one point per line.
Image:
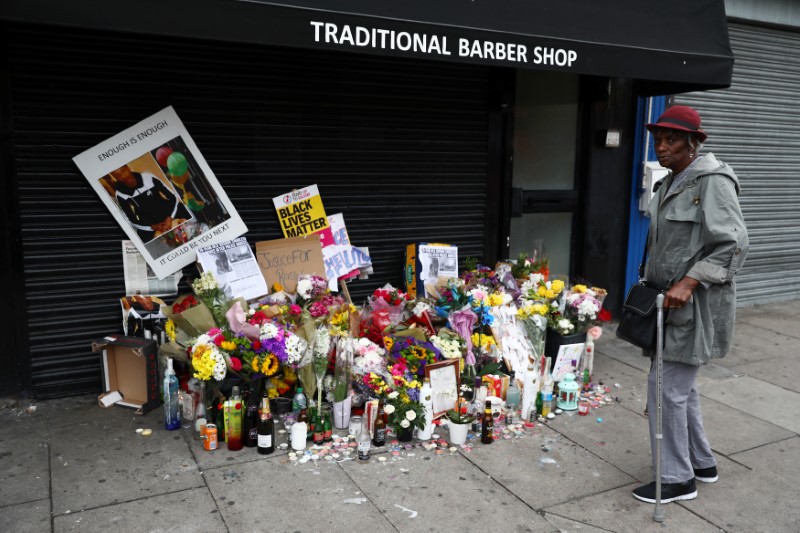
487	319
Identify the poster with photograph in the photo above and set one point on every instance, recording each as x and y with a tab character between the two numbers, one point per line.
235	268
437	261
161	191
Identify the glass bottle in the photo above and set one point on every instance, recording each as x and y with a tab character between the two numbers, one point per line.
328	426
319	428
539	403
250	417
487	424
266	428
586	385
513	398
233	408
219	417
364	441
379	437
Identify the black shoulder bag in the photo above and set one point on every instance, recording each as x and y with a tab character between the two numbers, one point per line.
637	325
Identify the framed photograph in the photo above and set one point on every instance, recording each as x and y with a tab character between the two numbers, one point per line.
445	381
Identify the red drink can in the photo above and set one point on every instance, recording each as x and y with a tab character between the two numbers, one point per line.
210	440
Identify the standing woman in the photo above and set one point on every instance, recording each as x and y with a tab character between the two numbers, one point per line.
698	242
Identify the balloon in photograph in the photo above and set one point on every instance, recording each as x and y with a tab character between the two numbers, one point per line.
177	164
162	154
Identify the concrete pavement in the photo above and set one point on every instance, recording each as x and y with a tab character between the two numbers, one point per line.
71	466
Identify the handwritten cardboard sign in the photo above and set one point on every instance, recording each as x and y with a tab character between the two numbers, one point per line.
284	260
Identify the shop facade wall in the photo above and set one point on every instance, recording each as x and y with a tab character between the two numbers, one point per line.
401	147
753	126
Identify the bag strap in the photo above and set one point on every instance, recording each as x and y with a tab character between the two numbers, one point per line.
644	256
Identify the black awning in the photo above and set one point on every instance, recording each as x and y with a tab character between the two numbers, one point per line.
681	44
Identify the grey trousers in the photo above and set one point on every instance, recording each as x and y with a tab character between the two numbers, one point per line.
683	445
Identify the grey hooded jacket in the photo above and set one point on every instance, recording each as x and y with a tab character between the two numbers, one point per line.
698	231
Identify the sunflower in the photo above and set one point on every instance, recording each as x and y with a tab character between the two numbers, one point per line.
270	365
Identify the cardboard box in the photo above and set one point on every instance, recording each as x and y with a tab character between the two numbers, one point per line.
130	367
428	262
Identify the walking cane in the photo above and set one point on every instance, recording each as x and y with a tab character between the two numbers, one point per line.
658	514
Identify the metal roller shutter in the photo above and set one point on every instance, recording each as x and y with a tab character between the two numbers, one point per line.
753	126
400	147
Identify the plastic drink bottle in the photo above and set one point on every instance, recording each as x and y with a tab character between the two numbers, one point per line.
172	412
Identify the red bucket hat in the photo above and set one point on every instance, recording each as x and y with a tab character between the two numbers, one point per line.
680	117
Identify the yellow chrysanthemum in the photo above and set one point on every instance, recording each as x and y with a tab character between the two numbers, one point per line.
171	330
202	362
228	346
550	294
483	341
557	286
541	291
495	299
539	309
579	289
272	393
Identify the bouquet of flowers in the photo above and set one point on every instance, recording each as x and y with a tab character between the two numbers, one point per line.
389	303
191	316
450	343
207	359
533	318
525	266
208	290
310	287
482	276
403	407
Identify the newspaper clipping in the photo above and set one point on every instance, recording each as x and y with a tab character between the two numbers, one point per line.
235	267
140	278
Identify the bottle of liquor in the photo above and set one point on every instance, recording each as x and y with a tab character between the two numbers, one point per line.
319	428
266	427
587	380
312	424
379	433
364	441
487	425
478	397
328	426
250	418
219	417
233	409
172	413
539	403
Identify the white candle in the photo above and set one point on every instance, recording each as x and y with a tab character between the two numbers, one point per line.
299	433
